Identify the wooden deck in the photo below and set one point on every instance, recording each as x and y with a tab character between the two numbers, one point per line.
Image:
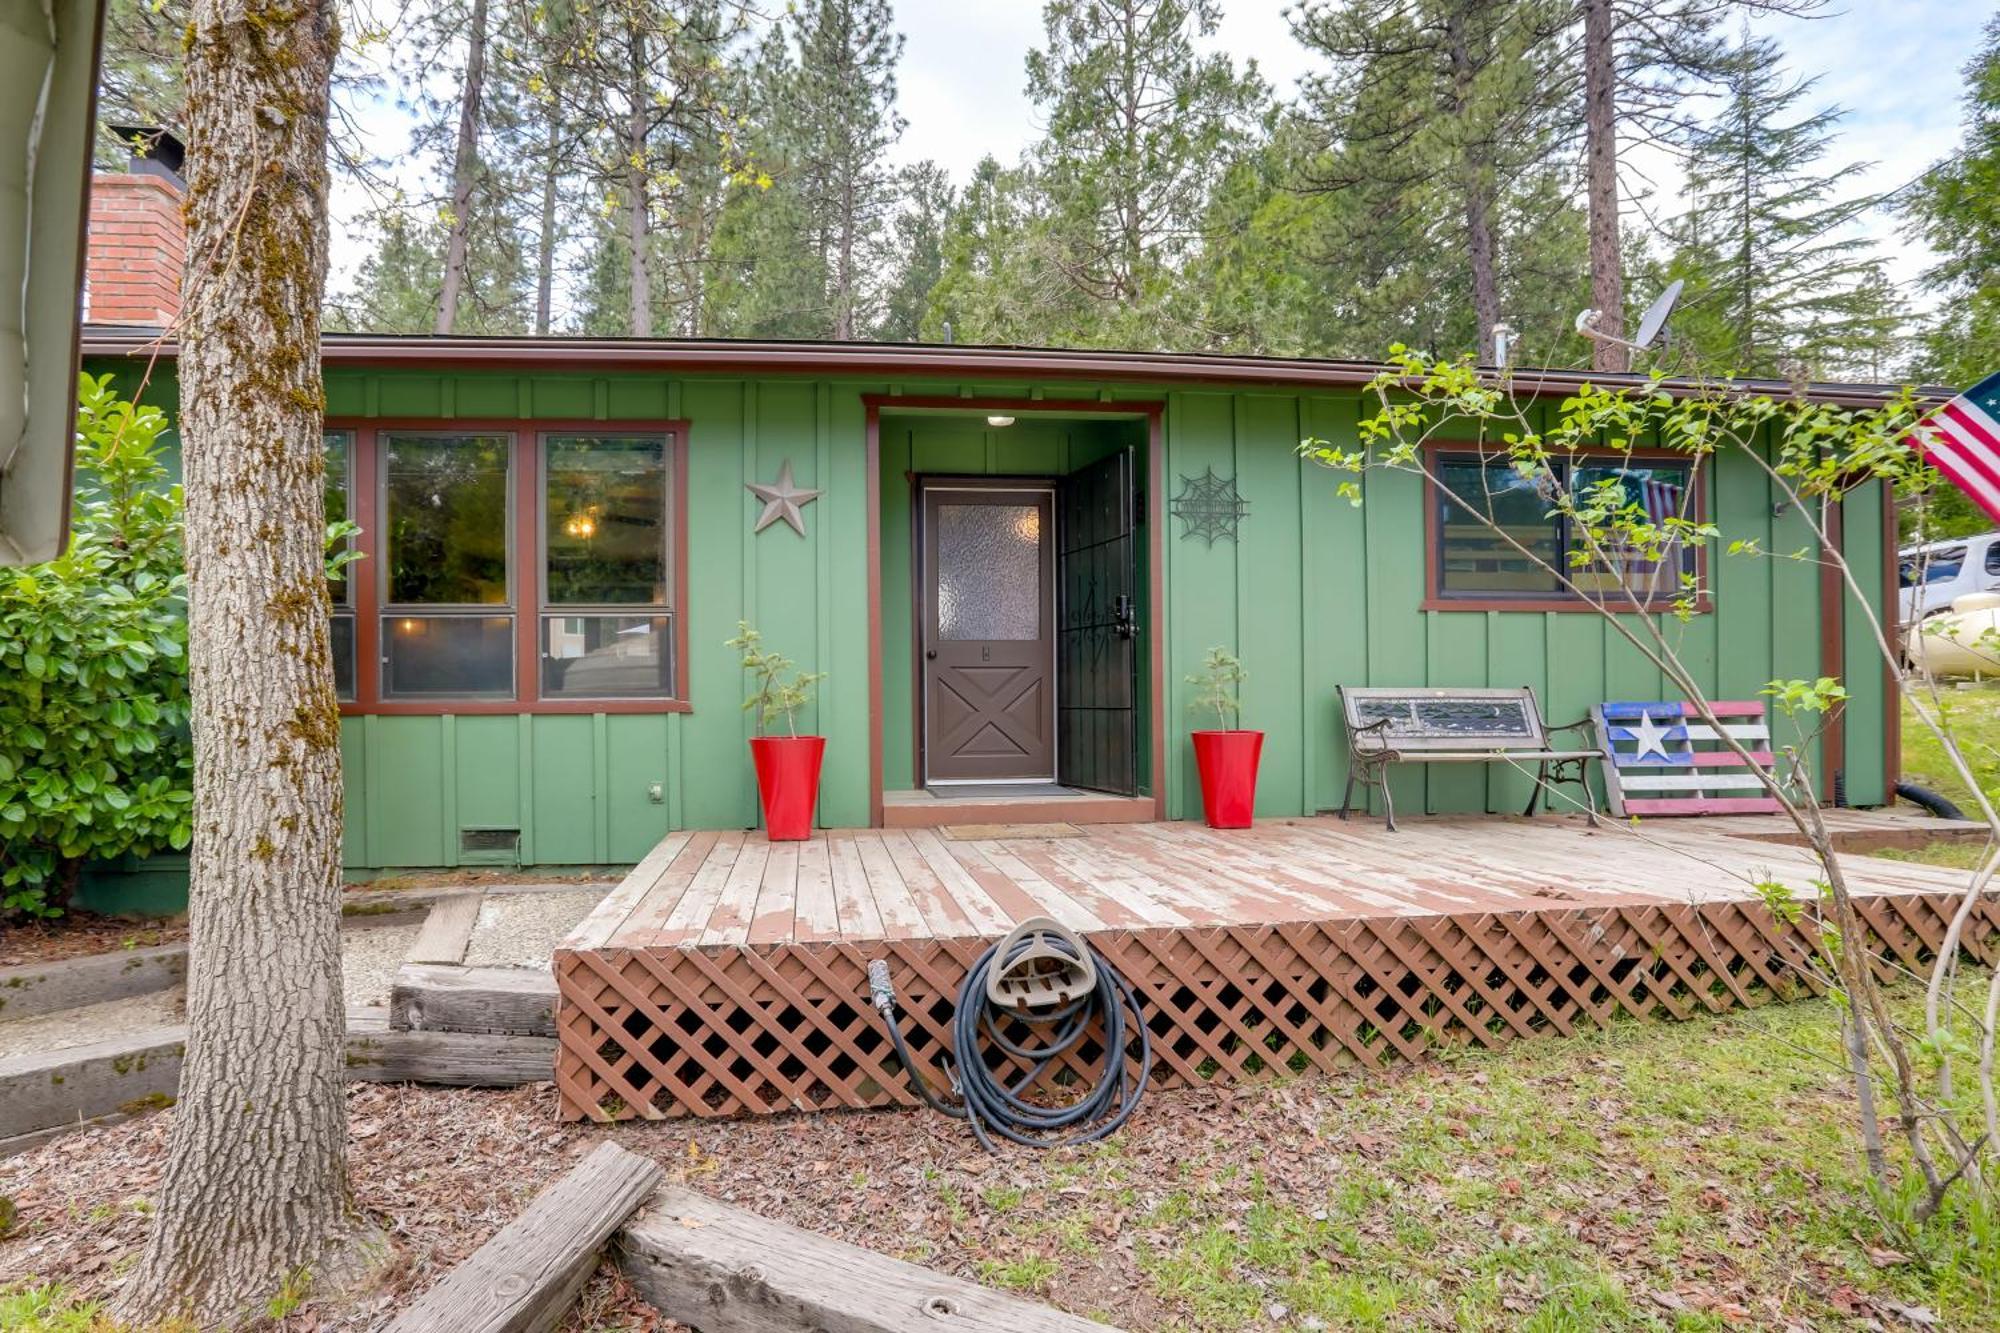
727	974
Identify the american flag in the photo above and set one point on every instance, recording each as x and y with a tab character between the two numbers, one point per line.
1962	440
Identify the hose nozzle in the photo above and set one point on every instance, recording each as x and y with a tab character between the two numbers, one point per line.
881	991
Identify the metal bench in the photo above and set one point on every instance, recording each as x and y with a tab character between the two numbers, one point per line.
1391	725
1662	759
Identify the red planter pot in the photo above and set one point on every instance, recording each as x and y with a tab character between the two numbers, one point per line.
1228	764
788	782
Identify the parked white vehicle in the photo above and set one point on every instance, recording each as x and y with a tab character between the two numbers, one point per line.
1932	576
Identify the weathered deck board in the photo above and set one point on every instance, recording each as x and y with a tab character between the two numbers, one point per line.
1302	941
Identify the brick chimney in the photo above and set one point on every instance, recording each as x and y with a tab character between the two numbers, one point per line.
138	236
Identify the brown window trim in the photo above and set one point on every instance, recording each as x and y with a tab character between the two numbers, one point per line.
1437	600
525	584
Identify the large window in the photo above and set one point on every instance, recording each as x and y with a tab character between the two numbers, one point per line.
447	623
606	625
507	568
1501	538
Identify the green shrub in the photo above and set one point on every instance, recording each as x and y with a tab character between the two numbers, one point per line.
95	759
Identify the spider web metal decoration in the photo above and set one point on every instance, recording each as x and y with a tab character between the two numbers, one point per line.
1209	507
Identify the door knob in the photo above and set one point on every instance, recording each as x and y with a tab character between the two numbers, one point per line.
930	654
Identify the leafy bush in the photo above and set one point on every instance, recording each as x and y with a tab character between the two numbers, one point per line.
95	758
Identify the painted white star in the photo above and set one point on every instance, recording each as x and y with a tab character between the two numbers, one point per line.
782	499
1648	738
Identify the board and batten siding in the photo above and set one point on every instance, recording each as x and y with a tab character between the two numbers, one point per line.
1313	593
1317	592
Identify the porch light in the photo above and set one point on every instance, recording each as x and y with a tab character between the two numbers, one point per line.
581	525
999	421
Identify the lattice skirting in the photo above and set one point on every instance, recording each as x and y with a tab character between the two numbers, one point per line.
718	1032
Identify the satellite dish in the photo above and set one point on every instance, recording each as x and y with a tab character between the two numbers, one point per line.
1654	321
1651	324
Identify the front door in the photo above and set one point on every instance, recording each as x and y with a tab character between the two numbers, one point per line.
988	633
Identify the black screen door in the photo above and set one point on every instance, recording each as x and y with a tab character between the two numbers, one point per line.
1097	642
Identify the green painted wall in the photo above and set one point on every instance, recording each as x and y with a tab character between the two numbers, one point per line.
1314	593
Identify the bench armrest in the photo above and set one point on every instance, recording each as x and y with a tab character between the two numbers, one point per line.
1586	728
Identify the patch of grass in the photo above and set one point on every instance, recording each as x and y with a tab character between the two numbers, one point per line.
1654	1176
53	1308
1973	715
1031	1273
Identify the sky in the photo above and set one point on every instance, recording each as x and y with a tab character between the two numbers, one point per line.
1894	65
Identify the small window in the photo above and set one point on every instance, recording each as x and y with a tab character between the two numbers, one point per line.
607	628
339	505
1993	557
447	622
1502	535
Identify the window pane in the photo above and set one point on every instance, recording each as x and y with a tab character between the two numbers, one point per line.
339	450
607	657
343	656
605	511
456	657
446	519
1644	495
1476	560
989	571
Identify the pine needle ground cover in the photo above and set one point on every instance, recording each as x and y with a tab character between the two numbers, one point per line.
1692	1176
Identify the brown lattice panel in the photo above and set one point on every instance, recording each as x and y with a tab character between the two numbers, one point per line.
728	975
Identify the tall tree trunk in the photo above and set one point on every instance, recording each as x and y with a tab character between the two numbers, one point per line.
256	1181
545	243
1476	187
844	280
1600	125
464	165
637	209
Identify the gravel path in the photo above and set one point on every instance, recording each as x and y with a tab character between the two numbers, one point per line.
523	929
369	959
79	1027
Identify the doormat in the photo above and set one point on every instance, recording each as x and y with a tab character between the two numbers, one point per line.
992	832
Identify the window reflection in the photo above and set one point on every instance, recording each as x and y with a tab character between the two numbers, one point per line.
460	657
445	515
607	657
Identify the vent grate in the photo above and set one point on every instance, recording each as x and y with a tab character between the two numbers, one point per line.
489	846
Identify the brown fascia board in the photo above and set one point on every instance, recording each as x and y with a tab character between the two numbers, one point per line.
892	361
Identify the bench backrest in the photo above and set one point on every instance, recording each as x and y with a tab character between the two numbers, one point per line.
1443	718
1664	760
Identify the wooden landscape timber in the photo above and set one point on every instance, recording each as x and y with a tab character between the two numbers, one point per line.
141	1070
723	1270
526	1277
447	930
437	997
72	983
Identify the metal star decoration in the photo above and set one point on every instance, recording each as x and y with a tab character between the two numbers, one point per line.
1209	507
782	499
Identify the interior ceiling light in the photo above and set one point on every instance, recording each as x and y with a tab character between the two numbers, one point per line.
999	421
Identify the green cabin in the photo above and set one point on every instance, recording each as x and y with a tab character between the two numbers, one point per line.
1010	562
1005	561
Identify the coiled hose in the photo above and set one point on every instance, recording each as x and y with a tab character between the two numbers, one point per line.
995	1107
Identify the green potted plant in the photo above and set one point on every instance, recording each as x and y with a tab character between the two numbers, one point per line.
788	765
1226	756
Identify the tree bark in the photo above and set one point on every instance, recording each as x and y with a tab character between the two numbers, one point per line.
1476	188
1600	125
637	209
545	243
464	165
256	1183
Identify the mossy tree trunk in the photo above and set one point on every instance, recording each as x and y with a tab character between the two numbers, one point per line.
256	1186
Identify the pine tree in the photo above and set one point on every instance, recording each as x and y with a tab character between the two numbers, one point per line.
139	71
1443	121
840	104
1140	124
918	245
1956	210
1780	281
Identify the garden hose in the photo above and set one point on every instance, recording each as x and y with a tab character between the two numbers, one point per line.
996	1107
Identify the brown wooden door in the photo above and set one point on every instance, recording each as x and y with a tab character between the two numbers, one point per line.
988	633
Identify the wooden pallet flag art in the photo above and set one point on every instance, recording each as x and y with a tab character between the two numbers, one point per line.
1662	759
